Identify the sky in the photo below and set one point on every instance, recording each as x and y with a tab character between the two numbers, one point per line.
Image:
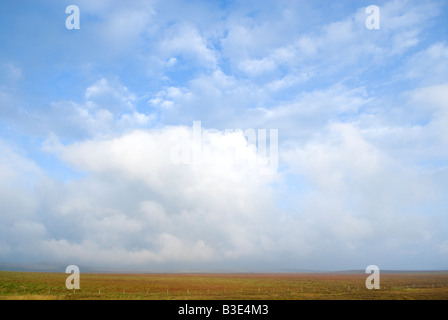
224	135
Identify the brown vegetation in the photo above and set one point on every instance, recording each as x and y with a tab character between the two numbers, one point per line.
331	286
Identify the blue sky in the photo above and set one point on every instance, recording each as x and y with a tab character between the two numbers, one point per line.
89	119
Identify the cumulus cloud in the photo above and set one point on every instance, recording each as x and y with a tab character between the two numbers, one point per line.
135	208
20	223
267	48
411	126
107	108
185	41
360	198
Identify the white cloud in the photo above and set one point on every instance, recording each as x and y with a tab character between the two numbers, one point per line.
256	67
135	207
112	96
108	108
124	28
185	40
178	213
287	82
359	198
10	77
19	221
135	120
119	28
308	113
411	126
432	98
434	58
257	48
217	99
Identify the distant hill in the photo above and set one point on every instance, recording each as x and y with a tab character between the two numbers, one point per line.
49	267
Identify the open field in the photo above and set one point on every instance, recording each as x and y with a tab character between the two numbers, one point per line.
332	286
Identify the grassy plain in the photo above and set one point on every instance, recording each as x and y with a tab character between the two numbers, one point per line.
298	286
